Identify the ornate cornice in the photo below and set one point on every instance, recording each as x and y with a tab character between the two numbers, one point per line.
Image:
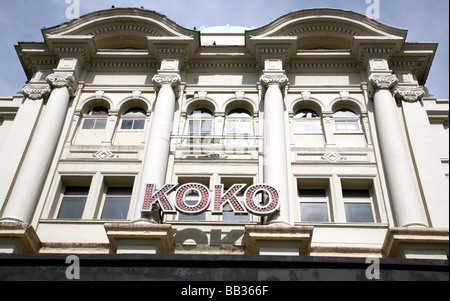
383	81
270	79
63	80
409	94
36	91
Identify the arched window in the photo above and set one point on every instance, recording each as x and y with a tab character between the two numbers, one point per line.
307	121
133	119
95	119
346	120
200	123
239	123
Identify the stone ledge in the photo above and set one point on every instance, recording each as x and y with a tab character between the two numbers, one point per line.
258	238
140	238
18	237
416	243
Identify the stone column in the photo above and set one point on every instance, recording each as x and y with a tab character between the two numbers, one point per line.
33	173
275	145
398	166
154	166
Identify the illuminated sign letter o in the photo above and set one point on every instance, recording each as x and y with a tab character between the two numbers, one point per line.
257	209
201	205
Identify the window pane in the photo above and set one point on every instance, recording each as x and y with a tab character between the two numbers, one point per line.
73	202
314	212
100	124
359	213
312	193
139	124
126	124
194	126
341	126
206	126
353	126
356	193
307	126
72	208
229	215
192	202
88	124
116	208
117	203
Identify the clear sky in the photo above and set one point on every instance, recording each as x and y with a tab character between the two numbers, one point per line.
22	20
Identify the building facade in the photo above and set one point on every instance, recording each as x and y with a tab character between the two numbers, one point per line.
312	135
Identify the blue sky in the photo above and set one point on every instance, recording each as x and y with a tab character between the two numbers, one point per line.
22	20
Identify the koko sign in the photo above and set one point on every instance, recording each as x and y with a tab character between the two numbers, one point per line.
220	199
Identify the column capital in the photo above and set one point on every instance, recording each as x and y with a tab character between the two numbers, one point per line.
271	79
165	79
56	80
409	94
36	91
381	82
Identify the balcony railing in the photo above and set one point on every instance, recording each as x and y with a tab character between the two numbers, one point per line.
209	144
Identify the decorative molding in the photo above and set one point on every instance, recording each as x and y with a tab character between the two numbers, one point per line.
61	81
217	155
24	236
165	79
383	81
409	94
333	157
103	154
224	65
111	64
321	65
279	79
126	27
322	28
35	92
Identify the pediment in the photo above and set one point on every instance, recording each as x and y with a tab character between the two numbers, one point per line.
121	28
325	29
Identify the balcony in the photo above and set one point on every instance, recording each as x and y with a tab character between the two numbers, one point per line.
208	147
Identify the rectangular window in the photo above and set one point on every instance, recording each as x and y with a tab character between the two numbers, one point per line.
73	202
94	124
132	124
117	203
307	127
313	205
358	205
347	126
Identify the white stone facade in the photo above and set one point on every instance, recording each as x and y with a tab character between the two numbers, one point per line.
326	105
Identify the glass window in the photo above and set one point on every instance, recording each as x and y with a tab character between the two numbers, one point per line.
133	119
95	119
307	121
358	205
239	125
346	121
117	203
73	202
200	124
313	205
